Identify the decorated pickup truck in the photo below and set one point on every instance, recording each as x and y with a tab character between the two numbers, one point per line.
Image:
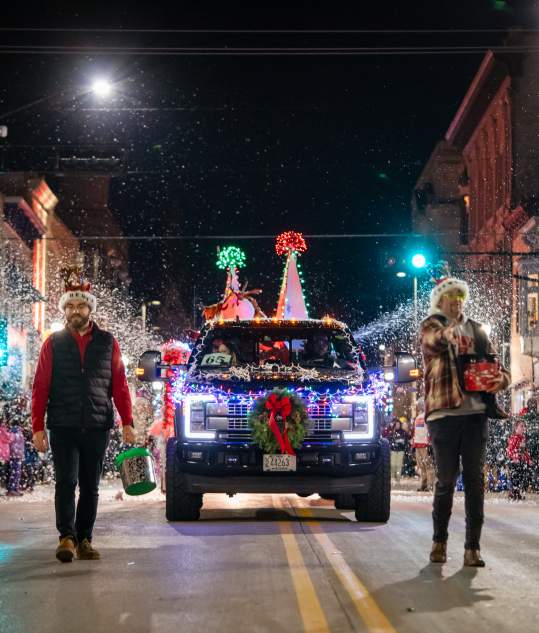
274	405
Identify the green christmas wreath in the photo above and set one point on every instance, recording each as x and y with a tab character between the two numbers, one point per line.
278	422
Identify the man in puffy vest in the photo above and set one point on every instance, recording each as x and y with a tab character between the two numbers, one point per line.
79	372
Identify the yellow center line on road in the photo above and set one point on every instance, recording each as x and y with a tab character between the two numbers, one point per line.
312	614
365	605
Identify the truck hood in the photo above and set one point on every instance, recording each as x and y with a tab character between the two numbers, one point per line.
247	378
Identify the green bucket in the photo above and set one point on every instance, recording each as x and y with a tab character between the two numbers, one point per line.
137	471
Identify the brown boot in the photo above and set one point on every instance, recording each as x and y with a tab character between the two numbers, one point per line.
66	549
438	553
85	551
472	558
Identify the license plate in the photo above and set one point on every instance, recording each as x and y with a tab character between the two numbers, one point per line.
278	463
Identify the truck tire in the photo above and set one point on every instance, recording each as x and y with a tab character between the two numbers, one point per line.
375	506
327	497
345	502
180	505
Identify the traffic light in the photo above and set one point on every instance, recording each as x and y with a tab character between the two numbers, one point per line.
419	260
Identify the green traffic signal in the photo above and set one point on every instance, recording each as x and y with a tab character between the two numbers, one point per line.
419	260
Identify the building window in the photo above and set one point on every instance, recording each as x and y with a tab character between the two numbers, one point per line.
529	300
464	208
533	315
533	301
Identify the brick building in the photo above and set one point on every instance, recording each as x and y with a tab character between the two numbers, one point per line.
478	195
35	244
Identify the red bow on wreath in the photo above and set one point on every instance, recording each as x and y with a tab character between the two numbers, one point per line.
284	408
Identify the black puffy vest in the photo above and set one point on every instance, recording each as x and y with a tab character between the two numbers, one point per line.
80	396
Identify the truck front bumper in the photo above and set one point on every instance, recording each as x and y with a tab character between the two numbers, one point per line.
228	468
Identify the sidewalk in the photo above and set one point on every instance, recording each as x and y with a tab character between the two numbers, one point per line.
407	487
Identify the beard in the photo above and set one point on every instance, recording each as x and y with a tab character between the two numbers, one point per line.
78	322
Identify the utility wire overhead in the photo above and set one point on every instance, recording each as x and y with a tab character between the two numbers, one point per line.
18	29
320	236
254	51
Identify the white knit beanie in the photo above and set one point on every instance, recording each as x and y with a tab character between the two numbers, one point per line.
446	285
76	289
78	295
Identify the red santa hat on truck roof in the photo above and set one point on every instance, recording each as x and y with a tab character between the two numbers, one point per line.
76	289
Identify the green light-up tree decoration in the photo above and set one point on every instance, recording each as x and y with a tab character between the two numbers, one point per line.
230	257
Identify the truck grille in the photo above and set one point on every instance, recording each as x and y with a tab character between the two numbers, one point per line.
319	410
321	425
237	416
319	414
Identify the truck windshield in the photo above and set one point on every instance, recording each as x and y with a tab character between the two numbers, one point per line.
310	348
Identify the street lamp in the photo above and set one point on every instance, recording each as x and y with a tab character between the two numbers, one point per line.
101	87
143	311
419	261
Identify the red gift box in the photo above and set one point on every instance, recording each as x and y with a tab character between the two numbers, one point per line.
478	376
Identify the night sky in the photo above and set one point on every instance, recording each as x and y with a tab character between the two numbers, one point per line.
241	145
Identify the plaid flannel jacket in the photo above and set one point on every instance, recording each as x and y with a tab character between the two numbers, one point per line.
442	385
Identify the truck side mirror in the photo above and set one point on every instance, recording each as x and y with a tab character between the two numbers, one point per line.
405	368
146	370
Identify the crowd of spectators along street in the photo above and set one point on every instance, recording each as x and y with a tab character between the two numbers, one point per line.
21	466
510	468
510	465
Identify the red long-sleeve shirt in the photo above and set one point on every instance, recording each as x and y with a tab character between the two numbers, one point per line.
43	379
517	451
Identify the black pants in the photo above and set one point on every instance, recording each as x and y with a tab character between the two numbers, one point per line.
519	474
78	458
457	438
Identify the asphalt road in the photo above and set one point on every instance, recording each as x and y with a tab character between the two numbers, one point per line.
266	563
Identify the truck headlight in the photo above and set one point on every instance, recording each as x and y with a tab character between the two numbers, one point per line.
217	408
344	410
194	417
363	418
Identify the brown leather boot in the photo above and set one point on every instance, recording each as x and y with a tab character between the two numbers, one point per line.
85	551
438	553
472	558
66	549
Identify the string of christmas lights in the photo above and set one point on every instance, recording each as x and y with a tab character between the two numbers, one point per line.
290	241
230	257
292	244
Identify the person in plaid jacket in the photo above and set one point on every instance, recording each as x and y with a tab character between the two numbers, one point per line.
457	419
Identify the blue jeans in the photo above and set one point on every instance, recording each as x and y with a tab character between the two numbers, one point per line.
78	458
456	438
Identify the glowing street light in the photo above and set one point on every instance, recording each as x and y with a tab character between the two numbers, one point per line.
102	88
401	274
419	260
143	311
